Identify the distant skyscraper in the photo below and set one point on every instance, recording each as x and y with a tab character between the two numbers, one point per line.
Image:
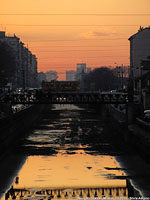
51	75
81	68
70	75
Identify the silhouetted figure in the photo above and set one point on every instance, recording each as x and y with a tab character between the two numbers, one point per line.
17	180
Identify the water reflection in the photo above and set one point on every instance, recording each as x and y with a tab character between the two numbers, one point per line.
69	176
69	157
73	193
70	170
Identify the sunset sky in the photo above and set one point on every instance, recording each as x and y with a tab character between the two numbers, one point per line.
63	33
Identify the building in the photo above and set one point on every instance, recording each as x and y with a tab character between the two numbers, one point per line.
70	75
88	69
25	74
14	43
41	77
139	50
81	67
51	75
140	67
81	70
33	71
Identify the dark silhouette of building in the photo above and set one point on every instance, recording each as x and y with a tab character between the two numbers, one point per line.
25	74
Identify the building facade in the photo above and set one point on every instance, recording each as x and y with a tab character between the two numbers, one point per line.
70	75
81	70
140	66
88	69
139	51
25	74
41	78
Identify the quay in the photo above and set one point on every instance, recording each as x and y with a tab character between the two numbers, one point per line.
14	126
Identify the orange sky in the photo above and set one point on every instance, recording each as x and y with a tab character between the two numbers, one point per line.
63	33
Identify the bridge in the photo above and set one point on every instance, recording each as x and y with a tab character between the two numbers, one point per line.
66	98
72	193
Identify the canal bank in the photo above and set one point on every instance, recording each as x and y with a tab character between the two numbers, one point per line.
15	126
69	150
133	130
134	138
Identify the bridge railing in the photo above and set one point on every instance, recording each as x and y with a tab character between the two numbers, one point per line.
72	193
66	98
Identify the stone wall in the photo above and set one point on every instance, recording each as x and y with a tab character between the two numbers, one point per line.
13	127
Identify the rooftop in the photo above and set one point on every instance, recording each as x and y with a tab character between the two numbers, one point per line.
141	29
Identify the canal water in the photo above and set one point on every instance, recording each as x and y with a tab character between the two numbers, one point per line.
68	155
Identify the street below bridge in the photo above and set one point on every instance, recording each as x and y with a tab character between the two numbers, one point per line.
71	154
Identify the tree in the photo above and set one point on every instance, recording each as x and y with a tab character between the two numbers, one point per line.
103	79
7	64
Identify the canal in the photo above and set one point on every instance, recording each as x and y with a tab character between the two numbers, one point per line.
69	155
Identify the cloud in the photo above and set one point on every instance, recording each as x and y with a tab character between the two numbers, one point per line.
97	33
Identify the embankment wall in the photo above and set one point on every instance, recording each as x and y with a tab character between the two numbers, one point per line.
131	136
14	126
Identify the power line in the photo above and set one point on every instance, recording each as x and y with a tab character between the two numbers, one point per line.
82	46
70	57
98	57
75	14
73	40
104	48
75	50
75	25
112	48
65	67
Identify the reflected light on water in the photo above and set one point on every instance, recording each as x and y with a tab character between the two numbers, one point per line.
76	176
72	171
65	171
